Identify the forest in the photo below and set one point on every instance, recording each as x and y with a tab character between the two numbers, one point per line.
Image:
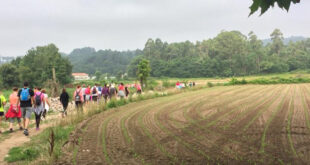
90	61
230	53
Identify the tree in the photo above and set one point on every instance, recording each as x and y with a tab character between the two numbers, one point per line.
264	5
143	71
229	49
230	53
104	61
37	65
277	41
119	75
9	75
256	49
97	75
132	68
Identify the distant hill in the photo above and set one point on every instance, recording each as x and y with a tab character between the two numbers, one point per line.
287	40
89	60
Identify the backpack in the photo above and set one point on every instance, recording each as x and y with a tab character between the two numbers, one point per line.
77	96
112	91
94	90
99	88
38	99
24	95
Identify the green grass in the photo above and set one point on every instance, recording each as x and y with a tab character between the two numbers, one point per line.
38	146
23	154
263	139
288	127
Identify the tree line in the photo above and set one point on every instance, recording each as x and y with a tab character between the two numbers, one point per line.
88	60
36	68
230	53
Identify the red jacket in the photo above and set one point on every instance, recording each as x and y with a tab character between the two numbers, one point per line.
12	114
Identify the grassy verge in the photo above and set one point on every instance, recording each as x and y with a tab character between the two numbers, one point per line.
38	145
270	80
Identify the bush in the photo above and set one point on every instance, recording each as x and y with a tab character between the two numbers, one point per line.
130	98
121	102
151	84
140	97
168	84
210	84
112	104
243	81
234	81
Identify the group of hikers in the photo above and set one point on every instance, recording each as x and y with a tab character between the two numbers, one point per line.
85	94
22	103
180	85
25	101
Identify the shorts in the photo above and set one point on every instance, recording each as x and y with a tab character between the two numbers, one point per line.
121	94
1	113
12	120
26	112
87	97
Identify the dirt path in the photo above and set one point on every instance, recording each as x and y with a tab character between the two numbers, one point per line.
16	139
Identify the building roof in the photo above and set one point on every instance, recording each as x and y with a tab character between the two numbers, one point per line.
79	74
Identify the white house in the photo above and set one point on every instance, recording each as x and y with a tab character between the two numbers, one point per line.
80	76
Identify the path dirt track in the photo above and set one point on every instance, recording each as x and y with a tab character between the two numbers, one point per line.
224	125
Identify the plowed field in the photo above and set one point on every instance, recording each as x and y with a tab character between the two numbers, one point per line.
222	125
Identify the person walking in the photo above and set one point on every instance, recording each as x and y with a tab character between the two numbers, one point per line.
83	91
2	104
121	91
112	91
39	105
78	98
126	91
25	98
139	89
87	94
47	103
64	99
99	89
95	93
14	111
105	92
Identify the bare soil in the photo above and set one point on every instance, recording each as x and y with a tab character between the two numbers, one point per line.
226	125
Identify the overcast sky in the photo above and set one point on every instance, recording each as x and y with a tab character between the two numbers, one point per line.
127	24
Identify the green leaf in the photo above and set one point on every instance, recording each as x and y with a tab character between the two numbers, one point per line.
265	5
286	4
254	7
